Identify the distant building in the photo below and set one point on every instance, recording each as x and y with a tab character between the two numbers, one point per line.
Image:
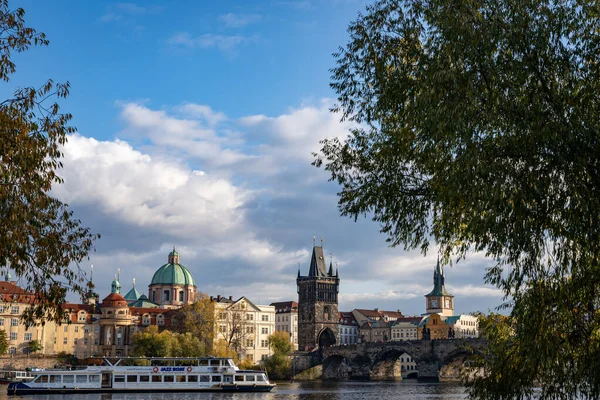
348	328
318	304
245	326
286	319
172	285
463	326
439	301
363	315
406	328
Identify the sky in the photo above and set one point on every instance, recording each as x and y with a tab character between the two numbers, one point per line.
195	122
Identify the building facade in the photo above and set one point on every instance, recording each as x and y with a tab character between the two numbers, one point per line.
244	326
318	304
286	320
348	328
406	328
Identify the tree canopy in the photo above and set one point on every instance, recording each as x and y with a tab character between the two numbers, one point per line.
40	240
152	343
477	128
198	319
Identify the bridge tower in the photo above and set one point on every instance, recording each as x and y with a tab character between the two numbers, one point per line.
318	303
439	301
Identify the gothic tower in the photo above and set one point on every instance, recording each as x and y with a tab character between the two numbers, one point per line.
439	301
318	304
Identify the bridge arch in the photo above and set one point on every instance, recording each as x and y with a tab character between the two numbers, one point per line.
455	364
394	364
326	338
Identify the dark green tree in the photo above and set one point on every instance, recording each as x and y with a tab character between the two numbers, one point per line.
40	240
477	127
279	363
3	342
34	346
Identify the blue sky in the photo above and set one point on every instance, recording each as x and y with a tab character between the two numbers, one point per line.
196	125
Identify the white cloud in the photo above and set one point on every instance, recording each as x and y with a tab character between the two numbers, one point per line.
232	20
224	43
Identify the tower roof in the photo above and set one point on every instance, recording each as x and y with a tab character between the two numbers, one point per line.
133	294
439	288
317	263
173	273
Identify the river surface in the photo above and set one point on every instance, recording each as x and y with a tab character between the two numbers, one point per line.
403	390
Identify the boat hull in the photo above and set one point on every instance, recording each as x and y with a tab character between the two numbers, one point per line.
23	389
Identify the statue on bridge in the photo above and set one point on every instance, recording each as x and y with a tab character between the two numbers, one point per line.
426	333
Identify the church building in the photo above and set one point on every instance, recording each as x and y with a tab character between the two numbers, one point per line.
172	285
439	301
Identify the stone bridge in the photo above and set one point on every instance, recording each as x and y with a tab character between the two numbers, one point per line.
436	359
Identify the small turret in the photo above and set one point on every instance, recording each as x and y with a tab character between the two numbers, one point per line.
115	287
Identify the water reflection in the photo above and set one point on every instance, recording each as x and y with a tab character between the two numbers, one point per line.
295	391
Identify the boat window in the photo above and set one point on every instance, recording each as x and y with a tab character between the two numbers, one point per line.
216	378
144	378
203	363
249	378
231	364
119	378
131	378
204	378
94	378
264	377
192	378
168	378
180	378
54	379
239	378
214	363
81	378
156	378
68	378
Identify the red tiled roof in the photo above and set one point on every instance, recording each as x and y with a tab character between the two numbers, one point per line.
285	306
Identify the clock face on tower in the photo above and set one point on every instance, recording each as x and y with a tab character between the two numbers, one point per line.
434	303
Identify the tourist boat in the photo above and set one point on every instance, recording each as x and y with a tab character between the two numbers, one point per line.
8	376
155	375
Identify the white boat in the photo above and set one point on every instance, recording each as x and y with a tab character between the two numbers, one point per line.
158	375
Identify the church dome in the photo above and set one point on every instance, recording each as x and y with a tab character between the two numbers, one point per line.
173	273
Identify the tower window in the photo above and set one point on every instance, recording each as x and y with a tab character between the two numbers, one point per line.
181	295
166	295
326	313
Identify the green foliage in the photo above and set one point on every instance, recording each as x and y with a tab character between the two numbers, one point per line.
197	319
34	346
477	127
39	238
3	342
152	343
279	363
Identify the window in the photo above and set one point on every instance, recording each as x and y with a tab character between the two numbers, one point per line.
28	336
250	317
239	378
119	378
251	357
12	350
181	295
75	341
66	328
264	343
222	328
85	340
265	331
192	378
64	340
249	343
156	378
216	378
14	310
76	329
265	317
249	329
180	378
14	322
81	378
13	336
68	378
168	378
132	378
1	321
250	378
1	309
144	378
166	295
204	378
222	315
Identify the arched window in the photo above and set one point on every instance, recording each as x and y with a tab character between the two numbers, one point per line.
181	295
166	295
326	313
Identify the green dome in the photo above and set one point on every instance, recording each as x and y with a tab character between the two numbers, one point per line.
172	274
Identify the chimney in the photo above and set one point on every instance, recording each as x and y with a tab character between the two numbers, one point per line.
230	297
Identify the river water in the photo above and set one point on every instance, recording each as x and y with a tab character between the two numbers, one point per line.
403	390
